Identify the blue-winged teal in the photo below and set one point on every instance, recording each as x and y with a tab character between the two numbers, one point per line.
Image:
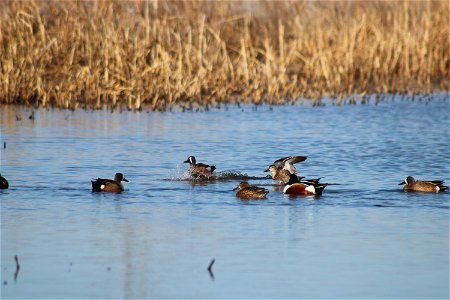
3	183
247	191
282	168
108	185
199	170
295	187
431	186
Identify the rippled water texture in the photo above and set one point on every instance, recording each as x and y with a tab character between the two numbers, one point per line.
364	238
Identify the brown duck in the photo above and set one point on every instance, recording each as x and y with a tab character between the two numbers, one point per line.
282	168
247	191
199	170
428	186
108	185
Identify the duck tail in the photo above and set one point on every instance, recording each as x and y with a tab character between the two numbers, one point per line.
213	168
443	187
96	185
319	188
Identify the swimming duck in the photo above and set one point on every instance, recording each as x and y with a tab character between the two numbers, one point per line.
295	187
282	168
3	183
199	170
431	186
108	185
247	191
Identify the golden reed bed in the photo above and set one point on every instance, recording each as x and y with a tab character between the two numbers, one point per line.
195	54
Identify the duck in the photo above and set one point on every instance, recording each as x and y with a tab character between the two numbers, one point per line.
199	170
282	168
3	183
247	191
281	175
430	186
108	185
295	187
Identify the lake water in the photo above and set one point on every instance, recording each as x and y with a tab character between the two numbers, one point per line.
364	238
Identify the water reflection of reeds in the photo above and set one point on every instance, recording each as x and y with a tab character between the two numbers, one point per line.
195	54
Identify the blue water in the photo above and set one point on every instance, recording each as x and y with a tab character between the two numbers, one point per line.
364	238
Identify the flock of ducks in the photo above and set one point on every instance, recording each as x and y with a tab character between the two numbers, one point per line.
282	170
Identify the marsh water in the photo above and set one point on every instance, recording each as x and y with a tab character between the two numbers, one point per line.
363	238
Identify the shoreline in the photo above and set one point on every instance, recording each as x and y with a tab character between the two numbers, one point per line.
374	99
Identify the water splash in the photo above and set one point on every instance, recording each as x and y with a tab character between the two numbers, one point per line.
237	175
227	175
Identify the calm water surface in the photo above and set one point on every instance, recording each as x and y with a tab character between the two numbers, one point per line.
363	238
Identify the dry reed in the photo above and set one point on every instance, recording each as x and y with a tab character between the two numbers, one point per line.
196	54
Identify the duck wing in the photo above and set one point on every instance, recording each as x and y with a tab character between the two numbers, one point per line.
202	165
288	162
207	167
259	189
436	182
279	163
310	181
253	192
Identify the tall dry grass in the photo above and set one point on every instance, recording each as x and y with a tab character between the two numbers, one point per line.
199	53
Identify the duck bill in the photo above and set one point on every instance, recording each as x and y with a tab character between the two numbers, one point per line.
236	188
267	170
124	179
186	161
402	183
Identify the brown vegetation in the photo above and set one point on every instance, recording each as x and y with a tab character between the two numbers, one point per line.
194	54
